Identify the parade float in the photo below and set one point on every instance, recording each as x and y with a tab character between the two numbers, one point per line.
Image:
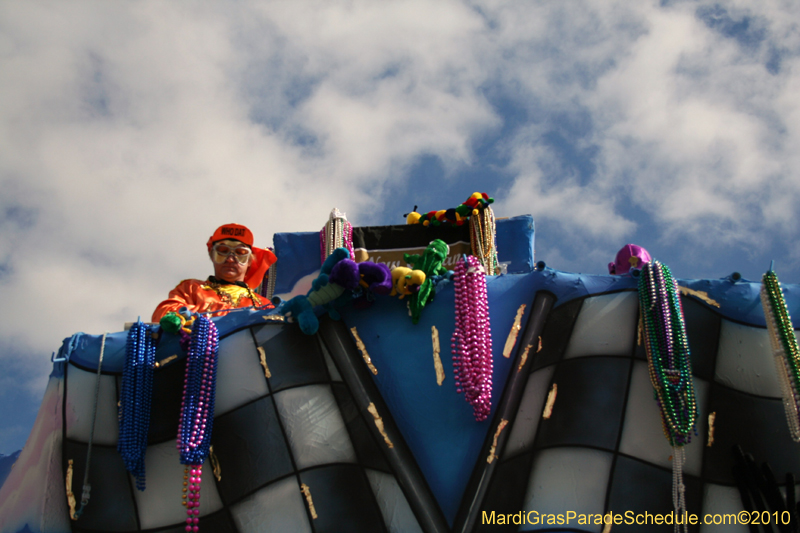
434	377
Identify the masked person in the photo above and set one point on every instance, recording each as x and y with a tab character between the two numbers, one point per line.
239	269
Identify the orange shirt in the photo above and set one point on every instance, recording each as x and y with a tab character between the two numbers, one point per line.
201	296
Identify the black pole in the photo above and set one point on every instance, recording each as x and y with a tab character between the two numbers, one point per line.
342	348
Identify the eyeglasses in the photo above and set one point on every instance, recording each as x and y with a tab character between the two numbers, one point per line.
224	249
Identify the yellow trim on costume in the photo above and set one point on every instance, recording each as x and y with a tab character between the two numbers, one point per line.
231	294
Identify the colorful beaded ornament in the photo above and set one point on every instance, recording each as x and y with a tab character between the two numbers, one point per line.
197	413
471	342
337	233
784	348
135	398
670	367
482	230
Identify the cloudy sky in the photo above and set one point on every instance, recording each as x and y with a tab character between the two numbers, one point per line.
130	130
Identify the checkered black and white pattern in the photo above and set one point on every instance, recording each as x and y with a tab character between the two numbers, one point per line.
604	448
271	435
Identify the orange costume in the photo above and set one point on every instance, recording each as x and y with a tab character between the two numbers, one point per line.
216	294
209	295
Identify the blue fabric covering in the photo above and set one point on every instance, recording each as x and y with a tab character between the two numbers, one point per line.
515	243
298	256
87	348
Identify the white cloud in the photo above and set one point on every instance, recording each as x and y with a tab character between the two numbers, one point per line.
686	123
696	121
586	212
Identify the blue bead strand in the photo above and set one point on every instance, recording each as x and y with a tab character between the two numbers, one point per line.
135	400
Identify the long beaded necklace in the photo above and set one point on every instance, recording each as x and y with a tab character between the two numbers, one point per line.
784	348
135	398
471	342
197	413
231	294
482	229
670	367
270	278
337	233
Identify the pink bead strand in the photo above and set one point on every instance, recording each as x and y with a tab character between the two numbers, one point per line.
193	499
471	342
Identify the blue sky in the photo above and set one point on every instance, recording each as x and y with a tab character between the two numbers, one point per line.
130	130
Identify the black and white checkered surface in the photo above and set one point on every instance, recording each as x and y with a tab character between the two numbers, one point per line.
300	426
603	448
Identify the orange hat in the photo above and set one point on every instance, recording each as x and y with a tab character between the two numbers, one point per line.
262	259
236	232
